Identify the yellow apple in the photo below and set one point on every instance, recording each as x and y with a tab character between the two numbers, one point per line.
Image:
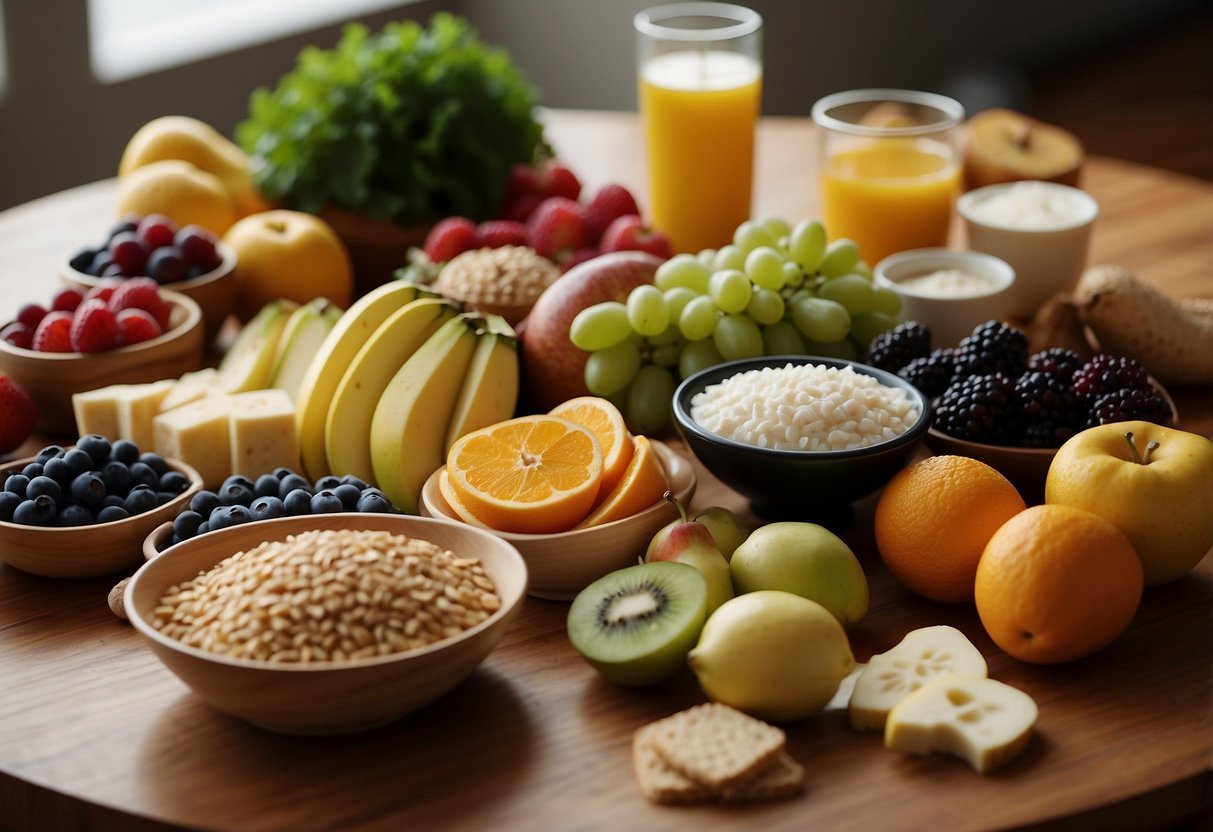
1153	483
1005	146
288	254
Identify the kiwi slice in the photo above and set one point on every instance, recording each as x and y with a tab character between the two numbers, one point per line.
637	625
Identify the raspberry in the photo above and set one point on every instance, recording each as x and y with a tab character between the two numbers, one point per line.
18	415
141	293
1056	361
610	203
993	347
979	409
31	314
66	299
1130	404
136	326
104	289
557	227
1106	373
94	327
895	348
54	333
498	233
931	373
448	238
1050	410
18	334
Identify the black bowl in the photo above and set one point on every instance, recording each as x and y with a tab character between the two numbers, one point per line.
789	484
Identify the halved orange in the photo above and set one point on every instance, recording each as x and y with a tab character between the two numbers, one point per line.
456	504
643	484
606	422
531	474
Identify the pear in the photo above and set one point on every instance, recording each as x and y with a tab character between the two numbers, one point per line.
726	529
249	362
302	335
690	542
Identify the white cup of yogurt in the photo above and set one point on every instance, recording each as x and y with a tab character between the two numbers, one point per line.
1042	229
950	292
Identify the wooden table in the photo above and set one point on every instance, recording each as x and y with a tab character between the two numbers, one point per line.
95	733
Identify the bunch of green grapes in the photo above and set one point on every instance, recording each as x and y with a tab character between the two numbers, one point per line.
774	290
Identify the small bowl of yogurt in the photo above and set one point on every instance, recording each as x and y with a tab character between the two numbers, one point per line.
949	292
1042	229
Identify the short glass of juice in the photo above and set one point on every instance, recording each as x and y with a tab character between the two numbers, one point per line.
889	166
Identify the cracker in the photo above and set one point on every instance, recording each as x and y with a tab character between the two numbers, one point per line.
783	777
658	782
716	745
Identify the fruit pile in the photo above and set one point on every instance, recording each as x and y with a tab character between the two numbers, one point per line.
94	482
151	246
111	315
989	389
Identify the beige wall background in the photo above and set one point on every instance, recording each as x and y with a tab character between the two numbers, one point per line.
60	127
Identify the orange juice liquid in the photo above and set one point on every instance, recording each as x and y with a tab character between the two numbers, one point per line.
699	111
890	195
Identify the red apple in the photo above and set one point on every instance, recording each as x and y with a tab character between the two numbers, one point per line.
629	233
553	370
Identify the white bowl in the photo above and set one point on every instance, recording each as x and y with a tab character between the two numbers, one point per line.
949	316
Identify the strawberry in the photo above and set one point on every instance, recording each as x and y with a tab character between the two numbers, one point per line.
18	415
498	233
523	181
609	204
66	299
54	332
521	208
578	257
94	327
448	238
136	326
557	180
629	233
141	293
557	227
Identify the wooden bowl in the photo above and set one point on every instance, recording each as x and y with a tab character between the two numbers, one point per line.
561	565
214	292
87	551
52	377
377	248
326	697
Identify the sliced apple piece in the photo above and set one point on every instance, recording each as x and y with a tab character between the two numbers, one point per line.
983	721
1006	146
924	654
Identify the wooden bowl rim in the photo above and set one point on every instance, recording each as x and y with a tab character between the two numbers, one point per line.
227	264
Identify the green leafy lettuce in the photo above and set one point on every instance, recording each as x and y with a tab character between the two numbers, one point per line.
410	124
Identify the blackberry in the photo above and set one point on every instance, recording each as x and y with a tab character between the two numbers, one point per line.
1130	404
895	348
1106	373
1049	409
994	347
980	409
931	373
1056	361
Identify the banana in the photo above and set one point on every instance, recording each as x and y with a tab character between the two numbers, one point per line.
247	365
410	421
302	336
490	388
349	418
327	367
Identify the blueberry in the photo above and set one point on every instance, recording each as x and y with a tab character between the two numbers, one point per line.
100	262
34	469
8	504
144	474
79	460
266	486
140	499
17	483
348	495
374	501
111	513
44	485
165	497
113	500
326	501
293	482
350	479
236	494
74	515
96	446
40	511
87	489
59	470
298	502
282	472
116	476
49	452
267	508
121	227
155	462
204	502
174	482
81	259
327	483
203	528
227	516
237	479
185	524
124	451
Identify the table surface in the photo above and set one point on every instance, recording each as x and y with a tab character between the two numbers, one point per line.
94	732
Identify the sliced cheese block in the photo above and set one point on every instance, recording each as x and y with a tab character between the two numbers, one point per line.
984	722
97	411
924	654
262	432
191	387
137	406
198	434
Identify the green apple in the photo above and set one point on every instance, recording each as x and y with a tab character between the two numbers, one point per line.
726	529
1153	483
805	559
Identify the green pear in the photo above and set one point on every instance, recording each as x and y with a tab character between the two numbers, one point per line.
805	559
726	529
690	542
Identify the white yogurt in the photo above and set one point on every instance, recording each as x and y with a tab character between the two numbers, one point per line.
1032	206
948	283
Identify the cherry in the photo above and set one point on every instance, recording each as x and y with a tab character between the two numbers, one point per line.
167	265
156	231
128	251
198	246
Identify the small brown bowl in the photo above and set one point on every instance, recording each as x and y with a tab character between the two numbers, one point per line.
326	697
87	551
214	292
52	377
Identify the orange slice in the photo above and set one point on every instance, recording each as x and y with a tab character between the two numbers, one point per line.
456	505
531	475
606	422
643	484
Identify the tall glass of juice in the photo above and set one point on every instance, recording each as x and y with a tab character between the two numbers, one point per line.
889	163
700	73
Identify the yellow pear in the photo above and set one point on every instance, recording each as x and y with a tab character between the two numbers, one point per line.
182	192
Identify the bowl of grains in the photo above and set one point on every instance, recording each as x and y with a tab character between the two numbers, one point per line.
327	625
801	436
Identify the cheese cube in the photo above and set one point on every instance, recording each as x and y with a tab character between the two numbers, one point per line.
97	411
137	406
191	387
263	433
198	434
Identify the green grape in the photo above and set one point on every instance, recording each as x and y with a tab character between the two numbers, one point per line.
867	325
696	356
807	244
782	338
707	259
837	349
646	310
851	290
862	268
764	267
698	318
729	257
750	235
886	301
609	371
777	226
682	270
677	298
667	336
736	336
650	398
792	275
765	306
666	355
842	256
821	320
600	326
730	290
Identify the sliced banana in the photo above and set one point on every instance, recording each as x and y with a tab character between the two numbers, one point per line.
983	721
923	655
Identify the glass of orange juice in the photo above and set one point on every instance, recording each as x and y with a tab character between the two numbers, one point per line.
889	163
700	72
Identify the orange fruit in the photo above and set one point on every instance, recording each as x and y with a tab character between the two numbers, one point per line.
935	517
1057	583
452	499
605	420
180	191
643	483
532	474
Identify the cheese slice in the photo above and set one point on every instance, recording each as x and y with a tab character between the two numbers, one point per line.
97	411
198	434
191	387
262	432
137	406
